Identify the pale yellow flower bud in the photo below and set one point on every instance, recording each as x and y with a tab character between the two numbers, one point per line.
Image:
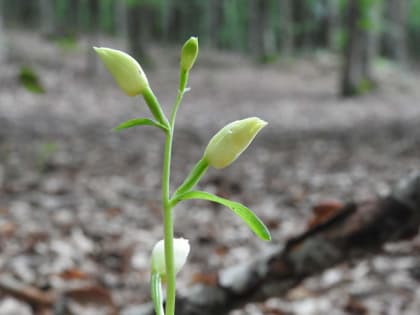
189	53
231	141
125	70
181	250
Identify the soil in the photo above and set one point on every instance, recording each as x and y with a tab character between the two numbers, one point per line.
79	203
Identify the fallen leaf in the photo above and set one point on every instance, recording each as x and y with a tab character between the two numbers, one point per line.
205	278
73	274
323	211
355	307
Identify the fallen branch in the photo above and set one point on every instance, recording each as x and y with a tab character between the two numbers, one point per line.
356	231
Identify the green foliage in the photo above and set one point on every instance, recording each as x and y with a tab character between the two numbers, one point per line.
30	80
45	151
366	21
67	43
268	59
156	3
413	25
365	86
414	15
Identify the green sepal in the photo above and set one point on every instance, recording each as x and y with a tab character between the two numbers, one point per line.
156	293
139	122
246	214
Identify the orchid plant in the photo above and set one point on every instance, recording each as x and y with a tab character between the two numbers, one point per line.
169	254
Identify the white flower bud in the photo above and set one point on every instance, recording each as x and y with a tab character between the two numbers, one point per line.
125	70
181	250
231	141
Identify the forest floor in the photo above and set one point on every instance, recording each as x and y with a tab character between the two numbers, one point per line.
80	205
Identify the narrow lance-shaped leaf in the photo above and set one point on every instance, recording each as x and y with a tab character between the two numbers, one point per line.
139	122
253	222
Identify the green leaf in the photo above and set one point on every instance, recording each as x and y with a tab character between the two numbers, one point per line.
253	222
139	122
156	293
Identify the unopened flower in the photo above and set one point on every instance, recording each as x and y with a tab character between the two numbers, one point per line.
181	250
125	70
189	53
231	141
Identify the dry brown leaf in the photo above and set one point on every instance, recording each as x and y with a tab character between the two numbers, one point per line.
323	211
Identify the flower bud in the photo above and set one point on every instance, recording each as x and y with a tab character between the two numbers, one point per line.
181	250
125	70
231	141
189	53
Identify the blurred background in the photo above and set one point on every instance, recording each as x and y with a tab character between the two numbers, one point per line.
337	80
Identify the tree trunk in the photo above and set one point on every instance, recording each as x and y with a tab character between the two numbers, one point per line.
3	44
287	38
333	24
92	60
214	22
356	74
166	20
137	31
47	17
73	17
356	231
261	36
395	39
375	31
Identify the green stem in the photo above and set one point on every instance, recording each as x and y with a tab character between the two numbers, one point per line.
168	226
183	80
168	223
154	107
192	179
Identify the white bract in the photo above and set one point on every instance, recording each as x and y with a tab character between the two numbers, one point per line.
181	250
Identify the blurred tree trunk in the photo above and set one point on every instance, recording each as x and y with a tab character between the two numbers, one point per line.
307	22
47	17
121	18
73	17
3	44
333	23
214	22
375	29
27	11
395	39
92	60
172	20
261	35
138	30
356	75
64	16
168	11
286	16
